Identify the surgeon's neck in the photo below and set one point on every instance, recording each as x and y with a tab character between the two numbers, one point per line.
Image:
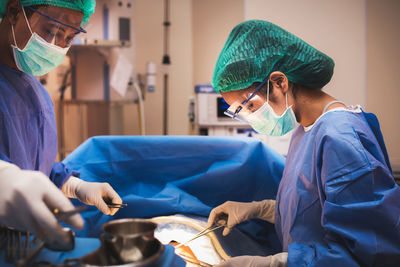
6	56
309	105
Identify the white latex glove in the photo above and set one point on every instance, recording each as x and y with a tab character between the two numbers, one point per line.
277	260
27	199
92	194
239	212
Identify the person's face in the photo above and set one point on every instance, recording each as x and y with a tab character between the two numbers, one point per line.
276	98
48	29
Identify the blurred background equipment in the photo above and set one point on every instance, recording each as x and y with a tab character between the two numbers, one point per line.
102	79
166	60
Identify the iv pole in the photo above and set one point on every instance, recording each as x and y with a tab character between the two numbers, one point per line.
166	61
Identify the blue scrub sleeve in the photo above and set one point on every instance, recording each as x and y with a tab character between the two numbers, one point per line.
361	222
5	158
373	123
60	174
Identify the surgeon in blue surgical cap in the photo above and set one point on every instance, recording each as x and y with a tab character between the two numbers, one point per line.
35	35
337	202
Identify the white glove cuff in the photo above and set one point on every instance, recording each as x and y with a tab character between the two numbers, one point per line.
70	186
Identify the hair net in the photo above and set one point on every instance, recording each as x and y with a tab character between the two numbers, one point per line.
85	6
255	48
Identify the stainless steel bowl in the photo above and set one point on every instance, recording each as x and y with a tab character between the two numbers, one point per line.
129	228
128	240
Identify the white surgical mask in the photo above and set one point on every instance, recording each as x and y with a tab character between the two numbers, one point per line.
265	121
38	57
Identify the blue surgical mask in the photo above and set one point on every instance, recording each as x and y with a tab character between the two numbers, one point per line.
38	57
265	121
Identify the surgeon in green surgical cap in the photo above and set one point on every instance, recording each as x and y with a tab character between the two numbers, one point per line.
337	202
35	36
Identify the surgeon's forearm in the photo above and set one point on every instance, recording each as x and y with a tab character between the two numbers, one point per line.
266	210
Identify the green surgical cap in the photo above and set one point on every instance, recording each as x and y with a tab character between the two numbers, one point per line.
256	48
84	6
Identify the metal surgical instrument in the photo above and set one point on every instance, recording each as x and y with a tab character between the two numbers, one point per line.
221	221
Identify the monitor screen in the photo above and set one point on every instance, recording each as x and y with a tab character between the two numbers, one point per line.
124	29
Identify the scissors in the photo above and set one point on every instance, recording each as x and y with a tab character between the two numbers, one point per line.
61	216
221	221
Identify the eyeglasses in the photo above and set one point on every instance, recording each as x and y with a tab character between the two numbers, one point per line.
52	29
233	110
55	20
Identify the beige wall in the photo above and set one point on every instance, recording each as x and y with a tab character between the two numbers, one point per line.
149	17
334	27
212	22
199	29
181	70
383	57
148	21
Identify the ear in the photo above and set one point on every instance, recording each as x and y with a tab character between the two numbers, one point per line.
13	10
279	81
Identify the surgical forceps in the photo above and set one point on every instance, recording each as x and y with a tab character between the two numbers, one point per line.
221	221
111	205
116	205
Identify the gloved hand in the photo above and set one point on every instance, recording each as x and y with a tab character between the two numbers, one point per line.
92	194
239	212
27	201
277	260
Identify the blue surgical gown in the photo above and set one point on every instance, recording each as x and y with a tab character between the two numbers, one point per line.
337	203
28	135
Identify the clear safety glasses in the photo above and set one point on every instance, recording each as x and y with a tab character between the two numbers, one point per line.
246	107
53	30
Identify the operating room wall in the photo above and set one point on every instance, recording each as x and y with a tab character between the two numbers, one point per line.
147	23
383	57
181	80
149	18
212	22
199	29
